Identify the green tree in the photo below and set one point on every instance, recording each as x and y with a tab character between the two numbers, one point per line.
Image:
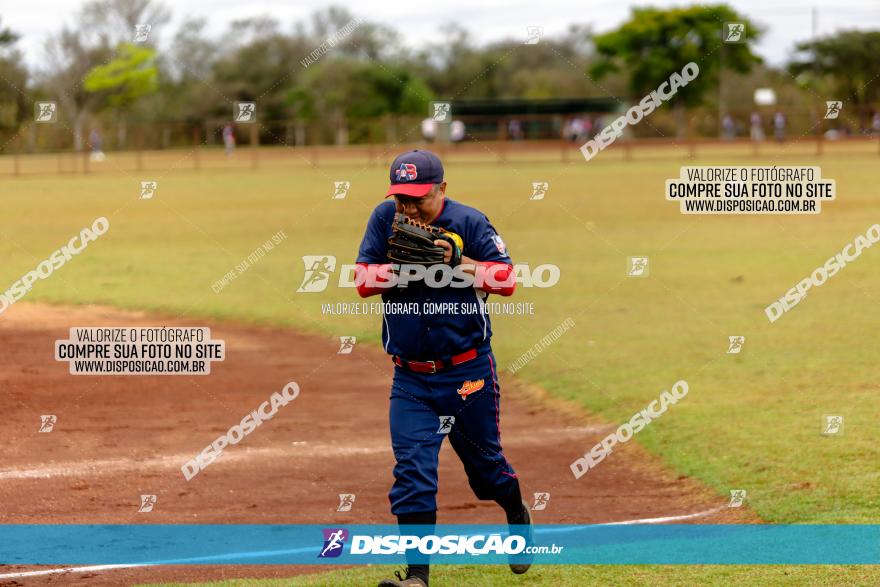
656	42
122	81
843	67
70	56
127	77
348	90
458	68
258	63
99	26
13	102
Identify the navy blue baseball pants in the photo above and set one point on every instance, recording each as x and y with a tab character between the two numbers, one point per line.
421	404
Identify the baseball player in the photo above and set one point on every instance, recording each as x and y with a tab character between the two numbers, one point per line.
445	378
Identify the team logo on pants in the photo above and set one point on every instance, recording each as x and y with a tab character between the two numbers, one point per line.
334	539
469	387
446	423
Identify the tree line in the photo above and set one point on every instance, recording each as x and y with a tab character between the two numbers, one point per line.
308	70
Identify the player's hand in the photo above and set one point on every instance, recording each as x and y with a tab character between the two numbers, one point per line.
447	250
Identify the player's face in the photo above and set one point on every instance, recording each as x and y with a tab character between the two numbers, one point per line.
424	209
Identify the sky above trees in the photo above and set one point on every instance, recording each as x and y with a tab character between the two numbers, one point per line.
787	21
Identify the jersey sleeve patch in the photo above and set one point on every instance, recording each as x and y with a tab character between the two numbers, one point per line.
499	244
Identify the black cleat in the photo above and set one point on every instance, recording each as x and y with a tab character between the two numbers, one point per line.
401	582
520	563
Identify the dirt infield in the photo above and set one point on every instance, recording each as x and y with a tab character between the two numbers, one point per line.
118	437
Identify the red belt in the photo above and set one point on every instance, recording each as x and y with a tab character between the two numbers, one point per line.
434	366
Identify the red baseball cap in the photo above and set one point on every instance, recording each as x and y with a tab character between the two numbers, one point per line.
414	173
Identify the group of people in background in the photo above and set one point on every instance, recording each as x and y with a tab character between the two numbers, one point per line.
582	128
778	123
96	142
576	129
455	131
756	126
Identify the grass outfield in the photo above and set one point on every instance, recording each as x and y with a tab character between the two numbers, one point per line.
563	576
751	421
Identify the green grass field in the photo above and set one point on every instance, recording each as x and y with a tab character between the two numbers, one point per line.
751	421
564	576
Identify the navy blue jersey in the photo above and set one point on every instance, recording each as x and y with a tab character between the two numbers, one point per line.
427	336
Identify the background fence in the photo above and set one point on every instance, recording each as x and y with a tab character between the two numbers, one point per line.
48	148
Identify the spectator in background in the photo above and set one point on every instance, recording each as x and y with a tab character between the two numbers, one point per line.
566	130
457	131
779	126
514	130
429	129
588	128
97	145
756	127
229	139
875	123
575	129
437	131
728	127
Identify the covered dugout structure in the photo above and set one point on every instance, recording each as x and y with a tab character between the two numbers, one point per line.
498	118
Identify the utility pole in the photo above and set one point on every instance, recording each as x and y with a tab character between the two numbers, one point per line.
816	105
722	107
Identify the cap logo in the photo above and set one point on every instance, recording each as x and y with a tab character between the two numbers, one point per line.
406	172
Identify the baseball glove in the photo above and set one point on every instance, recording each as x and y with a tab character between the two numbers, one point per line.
412	242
